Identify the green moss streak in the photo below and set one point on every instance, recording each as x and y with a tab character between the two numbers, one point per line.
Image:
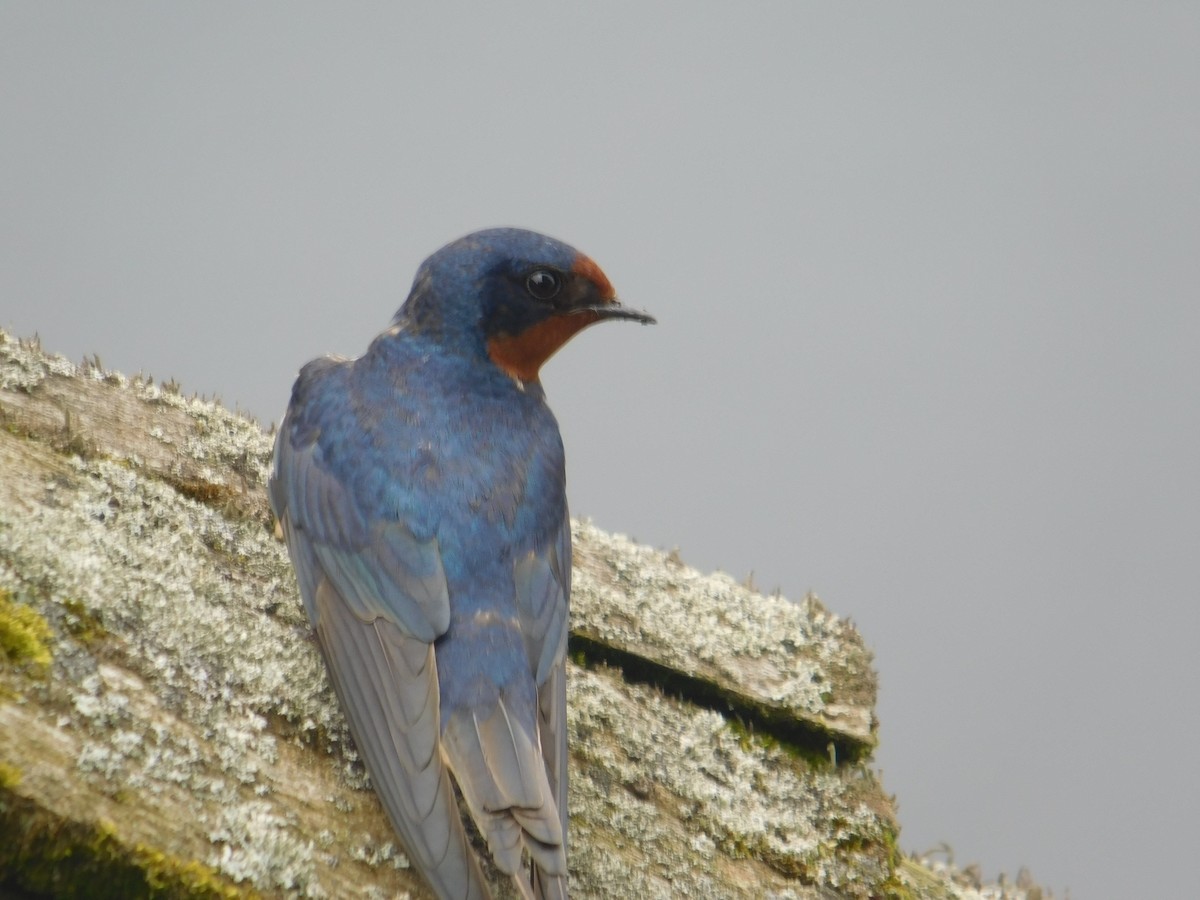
802	738
82	623
44	855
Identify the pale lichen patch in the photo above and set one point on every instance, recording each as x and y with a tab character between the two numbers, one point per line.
795	658
253	843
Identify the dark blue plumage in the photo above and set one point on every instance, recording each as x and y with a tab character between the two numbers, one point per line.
421	491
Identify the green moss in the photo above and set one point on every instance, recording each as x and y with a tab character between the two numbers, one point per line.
47	856
911	881
81	623
10	776
24	635
815	758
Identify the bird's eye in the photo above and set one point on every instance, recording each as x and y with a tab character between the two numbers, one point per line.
543	284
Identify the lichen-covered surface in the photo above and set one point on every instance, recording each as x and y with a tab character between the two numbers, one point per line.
166	728
796	659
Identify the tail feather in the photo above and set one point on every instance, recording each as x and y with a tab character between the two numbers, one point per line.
552	734
549	887
499	769
387	684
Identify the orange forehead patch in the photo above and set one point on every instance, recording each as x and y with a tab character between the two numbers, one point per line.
586	268
522	355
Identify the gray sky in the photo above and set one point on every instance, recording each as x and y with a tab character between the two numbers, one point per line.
929	342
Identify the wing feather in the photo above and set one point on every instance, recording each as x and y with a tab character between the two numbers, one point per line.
378	566
543	583
377	598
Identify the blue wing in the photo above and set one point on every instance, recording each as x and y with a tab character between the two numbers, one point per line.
377	598
378	565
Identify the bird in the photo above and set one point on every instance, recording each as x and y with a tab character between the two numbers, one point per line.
421	492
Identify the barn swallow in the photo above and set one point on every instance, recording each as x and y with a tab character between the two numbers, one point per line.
421	492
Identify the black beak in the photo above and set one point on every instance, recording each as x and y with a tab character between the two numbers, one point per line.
611	309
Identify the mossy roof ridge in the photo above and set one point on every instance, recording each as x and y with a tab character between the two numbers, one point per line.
193	717
793	659
202	449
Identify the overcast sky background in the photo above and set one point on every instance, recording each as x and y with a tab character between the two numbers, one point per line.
929	322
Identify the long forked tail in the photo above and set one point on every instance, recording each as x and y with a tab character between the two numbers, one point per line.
499	768
388	687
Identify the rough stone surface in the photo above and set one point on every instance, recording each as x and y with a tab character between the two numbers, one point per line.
164	711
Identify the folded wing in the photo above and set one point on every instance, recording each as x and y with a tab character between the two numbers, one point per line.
377	598
543	582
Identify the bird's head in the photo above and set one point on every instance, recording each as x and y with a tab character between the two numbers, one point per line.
514	295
